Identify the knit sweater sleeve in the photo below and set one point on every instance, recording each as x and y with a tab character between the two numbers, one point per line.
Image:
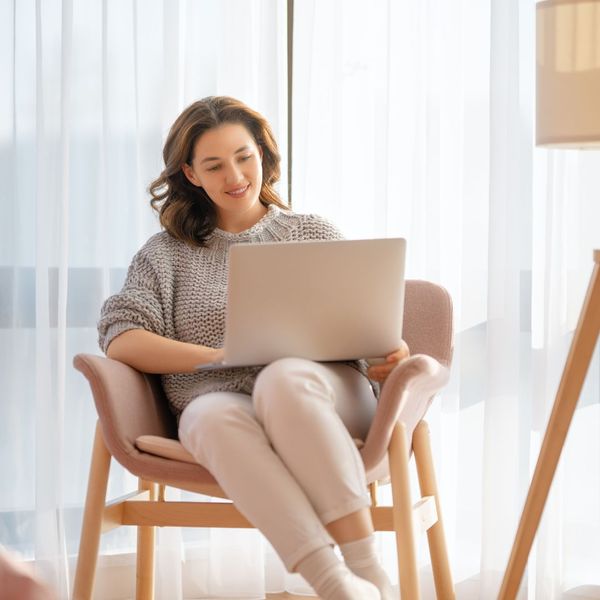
136	306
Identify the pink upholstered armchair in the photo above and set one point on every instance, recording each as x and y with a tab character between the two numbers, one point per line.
136	428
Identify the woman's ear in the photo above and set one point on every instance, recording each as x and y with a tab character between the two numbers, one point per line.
190	175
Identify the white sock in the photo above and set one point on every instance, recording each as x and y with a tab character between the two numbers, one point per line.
332	580
361	558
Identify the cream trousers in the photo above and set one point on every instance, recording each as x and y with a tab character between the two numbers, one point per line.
285	456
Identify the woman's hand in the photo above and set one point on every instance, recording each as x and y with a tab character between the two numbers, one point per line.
381	371
216	355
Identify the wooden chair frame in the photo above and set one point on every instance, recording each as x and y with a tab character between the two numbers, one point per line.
147	508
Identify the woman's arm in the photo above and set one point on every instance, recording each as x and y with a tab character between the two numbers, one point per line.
152	353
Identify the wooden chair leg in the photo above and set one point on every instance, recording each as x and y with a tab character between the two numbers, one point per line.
92	519
403	514
373	492
144	589
440	564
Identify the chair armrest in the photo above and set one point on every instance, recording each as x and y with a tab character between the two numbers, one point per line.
405	396
127	402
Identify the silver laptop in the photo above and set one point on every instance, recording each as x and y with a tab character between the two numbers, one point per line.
326	301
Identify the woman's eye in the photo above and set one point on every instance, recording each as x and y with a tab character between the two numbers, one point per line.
240	159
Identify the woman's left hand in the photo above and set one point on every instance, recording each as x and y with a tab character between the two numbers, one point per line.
380	372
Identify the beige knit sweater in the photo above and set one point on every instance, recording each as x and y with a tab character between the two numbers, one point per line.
179	291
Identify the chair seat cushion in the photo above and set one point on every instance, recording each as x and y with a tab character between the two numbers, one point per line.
165	447
173	449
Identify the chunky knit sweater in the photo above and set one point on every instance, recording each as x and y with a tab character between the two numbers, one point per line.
179	291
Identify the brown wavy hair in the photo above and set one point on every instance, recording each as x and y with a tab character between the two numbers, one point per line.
185	210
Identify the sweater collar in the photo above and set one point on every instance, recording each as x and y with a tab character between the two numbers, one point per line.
247	234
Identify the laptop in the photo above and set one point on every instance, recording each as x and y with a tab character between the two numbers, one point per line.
322	300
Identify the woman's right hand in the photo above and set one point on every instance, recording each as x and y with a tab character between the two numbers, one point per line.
217	355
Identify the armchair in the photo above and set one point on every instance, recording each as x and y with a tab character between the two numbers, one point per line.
136	428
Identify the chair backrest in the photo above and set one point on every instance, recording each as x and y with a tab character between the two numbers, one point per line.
427	327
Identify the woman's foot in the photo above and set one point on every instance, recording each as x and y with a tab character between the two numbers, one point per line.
332	579
361	558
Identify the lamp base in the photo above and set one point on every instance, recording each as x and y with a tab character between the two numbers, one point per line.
578	361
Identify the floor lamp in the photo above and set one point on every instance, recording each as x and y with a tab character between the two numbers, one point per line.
567	116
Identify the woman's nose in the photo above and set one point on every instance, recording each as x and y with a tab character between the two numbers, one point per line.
233	174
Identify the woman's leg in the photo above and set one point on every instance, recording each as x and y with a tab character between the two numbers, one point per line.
352	527
221	431
303	407
310	413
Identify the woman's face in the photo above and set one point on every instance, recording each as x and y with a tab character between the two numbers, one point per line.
227	163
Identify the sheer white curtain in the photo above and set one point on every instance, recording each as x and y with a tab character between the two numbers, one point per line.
88	90
416	119
410	119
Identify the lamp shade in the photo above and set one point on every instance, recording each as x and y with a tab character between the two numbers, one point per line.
568	73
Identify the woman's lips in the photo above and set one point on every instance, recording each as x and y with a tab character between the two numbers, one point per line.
238	192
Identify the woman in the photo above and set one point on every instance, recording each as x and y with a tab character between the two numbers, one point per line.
278	439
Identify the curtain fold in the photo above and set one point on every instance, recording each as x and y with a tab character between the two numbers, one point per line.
505	456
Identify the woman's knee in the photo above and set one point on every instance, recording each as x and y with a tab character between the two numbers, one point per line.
278	373
210	420
290	382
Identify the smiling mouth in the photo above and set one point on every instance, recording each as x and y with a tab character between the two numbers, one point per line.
237	193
